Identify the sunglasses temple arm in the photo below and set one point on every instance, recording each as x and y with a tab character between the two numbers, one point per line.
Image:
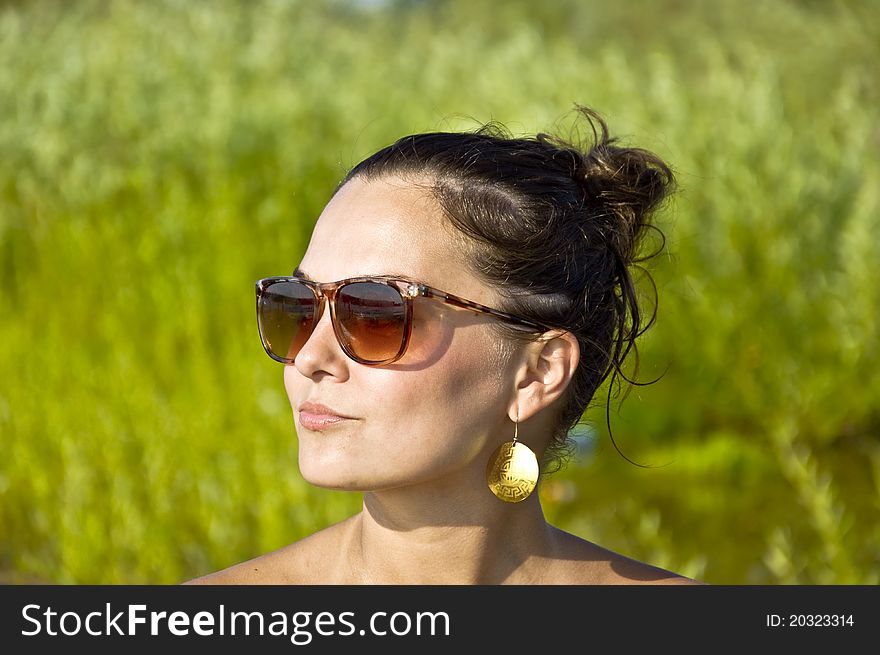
482	309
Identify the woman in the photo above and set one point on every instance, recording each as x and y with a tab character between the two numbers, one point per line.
462	297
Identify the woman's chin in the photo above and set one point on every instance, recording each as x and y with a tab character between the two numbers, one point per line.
330	474
340	478
331	482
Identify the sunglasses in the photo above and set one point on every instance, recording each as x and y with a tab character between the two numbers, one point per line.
371	316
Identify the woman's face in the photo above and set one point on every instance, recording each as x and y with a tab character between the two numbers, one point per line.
439	410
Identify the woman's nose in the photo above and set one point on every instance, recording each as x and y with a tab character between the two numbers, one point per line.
321	351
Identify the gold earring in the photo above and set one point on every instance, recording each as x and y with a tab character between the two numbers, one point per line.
512	472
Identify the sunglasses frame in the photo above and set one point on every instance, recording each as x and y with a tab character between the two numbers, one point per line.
325	293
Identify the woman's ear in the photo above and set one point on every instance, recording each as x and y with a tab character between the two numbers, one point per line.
547	367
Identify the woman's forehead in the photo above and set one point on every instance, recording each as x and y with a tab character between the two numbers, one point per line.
382	212
388	227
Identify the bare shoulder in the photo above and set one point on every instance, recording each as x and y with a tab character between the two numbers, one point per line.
307	561
589	563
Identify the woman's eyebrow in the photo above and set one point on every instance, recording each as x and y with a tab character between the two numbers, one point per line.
298	272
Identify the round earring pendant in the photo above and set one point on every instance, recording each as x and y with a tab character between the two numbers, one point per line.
512	472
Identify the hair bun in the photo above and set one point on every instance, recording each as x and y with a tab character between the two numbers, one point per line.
623	186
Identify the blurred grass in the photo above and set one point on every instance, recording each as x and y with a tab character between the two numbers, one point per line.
157	158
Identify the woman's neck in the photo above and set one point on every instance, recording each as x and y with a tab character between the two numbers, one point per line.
426	536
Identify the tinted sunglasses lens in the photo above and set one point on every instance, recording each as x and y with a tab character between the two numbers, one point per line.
286	318
372	319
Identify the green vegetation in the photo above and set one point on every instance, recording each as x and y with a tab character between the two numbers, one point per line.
158	157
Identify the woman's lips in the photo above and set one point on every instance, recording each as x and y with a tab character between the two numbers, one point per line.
312	421
315	416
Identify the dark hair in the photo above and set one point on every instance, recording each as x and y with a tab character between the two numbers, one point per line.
554	226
